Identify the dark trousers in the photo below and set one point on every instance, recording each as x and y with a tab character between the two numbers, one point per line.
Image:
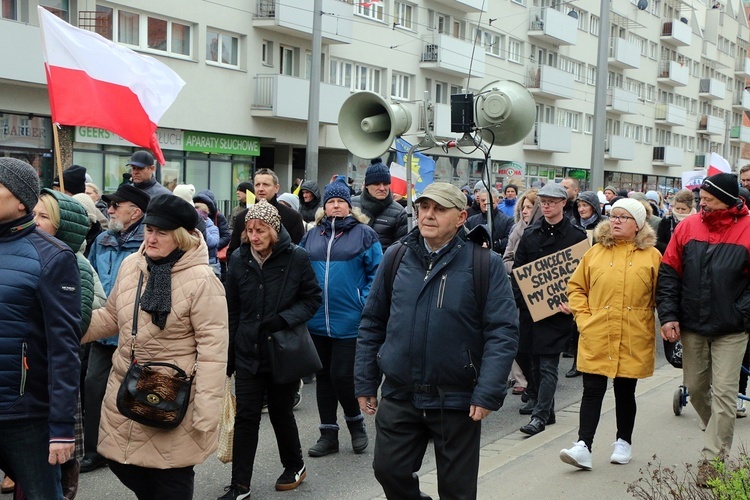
403	433
249	390
524	363
97	373
544	369
743	374
156	484
24	454
335	382
594	387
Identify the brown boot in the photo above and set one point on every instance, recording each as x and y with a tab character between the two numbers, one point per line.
7	485
70	472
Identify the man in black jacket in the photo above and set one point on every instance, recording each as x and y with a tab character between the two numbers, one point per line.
387	217
501	223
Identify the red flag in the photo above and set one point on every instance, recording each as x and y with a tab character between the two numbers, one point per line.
97	83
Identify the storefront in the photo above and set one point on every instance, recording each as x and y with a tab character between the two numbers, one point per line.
28	138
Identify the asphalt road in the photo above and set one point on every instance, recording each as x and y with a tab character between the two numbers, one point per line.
343	475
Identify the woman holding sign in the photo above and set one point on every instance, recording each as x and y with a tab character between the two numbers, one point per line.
612	296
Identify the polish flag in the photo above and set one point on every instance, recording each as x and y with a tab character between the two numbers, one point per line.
718	165
398	179
97	83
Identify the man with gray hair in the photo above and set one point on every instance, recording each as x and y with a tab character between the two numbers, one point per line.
501	223
39	339
442	357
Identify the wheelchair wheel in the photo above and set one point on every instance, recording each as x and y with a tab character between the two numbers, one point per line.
677	401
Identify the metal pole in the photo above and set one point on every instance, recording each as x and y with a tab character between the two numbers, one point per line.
409	203
600	100
727	128
313	110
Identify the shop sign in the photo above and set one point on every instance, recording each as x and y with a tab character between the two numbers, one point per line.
512	169
22	131
205	142
168	138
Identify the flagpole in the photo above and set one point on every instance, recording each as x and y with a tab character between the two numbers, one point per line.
58	158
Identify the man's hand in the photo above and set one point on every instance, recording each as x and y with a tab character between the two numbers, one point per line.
59	453
368	404
670	331
564	308
478	413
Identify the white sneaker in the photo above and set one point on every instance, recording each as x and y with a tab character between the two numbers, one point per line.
577	456
623	452
741	410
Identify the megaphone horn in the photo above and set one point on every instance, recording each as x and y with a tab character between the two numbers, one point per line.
368	124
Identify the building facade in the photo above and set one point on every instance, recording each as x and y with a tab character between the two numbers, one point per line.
676	84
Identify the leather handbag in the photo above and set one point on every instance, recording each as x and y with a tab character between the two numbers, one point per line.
291	351
149	396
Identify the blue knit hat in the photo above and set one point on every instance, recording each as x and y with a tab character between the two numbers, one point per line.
338	189
377	172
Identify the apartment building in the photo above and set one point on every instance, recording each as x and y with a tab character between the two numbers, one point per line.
676	78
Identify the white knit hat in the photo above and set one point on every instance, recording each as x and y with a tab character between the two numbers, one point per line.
185	191
634	208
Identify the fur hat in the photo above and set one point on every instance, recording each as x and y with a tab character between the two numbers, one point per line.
21	179
338	189
264	212
377	172
634	207
723	186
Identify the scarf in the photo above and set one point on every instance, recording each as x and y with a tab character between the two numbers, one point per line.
157	297
679	217
587	222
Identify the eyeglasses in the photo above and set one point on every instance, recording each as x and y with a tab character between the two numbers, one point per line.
620	218
549	203
117	204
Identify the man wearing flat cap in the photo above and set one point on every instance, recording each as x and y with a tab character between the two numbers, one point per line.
123	237
545	339
143	170
445	353
703	299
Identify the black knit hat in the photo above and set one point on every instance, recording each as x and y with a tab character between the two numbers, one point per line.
167	211
21	179
74	178
723	186
377	172
246	186
338	189
128	192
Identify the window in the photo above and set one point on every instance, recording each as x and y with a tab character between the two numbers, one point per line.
222	48
594	25
582	18
371	10
441	92
591	77
648	134
266	53
455	89
492	42
400	85
653	50
9	9
366	78
588	127
57	7
403	15
442	22
514	50
287	61
128	27
144	32
341	73
569	119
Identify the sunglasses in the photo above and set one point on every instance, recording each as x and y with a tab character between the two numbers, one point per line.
116	204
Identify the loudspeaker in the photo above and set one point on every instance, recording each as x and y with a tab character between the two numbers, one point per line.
506	108
368	124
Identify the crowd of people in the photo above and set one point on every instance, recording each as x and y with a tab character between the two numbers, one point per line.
426	330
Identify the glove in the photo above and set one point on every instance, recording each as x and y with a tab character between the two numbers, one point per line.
273	324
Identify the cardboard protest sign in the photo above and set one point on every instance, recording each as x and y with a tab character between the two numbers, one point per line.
544	281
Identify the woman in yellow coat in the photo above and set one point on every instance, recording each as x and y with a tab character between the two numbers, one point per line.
612	295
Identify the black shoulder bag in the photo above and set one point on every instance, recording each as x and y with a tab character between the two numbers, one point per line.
291	351
151	397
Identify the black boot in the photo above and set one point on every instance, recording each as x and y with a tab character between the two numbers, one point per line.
327	443
573	371
359	435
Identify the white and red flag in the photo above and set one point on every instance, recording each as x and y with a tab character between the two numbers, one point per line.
718	165
398	179
97	83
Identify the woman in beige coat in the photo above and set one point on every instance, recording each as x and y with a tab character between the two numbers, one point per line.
612	295
182	319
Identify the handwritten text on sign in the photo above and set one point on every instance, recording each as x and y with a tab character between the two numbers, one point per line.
544	281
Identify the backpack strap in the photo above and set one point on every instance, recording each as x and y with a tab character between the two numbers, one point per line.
481	258
390	267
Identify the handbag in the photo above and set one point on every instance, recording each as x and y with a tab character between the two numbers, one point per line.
152	397
226	423
291	351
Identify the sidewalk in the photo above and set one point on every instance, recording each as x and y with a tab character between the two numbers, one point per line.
521	467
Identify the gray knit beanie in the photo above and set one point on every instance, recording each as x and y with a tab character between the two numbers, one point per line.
21	179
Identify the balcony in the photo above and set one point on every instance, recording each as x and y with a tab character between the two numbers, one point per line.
712	125
739	133
668	156
550	82
741	101
441	120
451	56
673	73
295	18
552	26
742	67
464	5
711	88
26	64
671	114
624	54
710	51
676	33
617	147
549	137
621	101
287	97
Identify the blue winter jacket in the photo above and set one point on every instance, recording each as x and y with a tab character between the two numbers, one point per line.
106	256
345	254
508	207
430	333
40	334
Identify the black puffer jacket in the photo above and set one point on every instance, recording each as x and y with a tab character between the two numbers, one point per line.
387	217
307	209
501	226
252	294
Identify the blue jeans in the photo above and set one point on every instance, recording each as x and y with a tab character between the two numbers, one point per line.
24	451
